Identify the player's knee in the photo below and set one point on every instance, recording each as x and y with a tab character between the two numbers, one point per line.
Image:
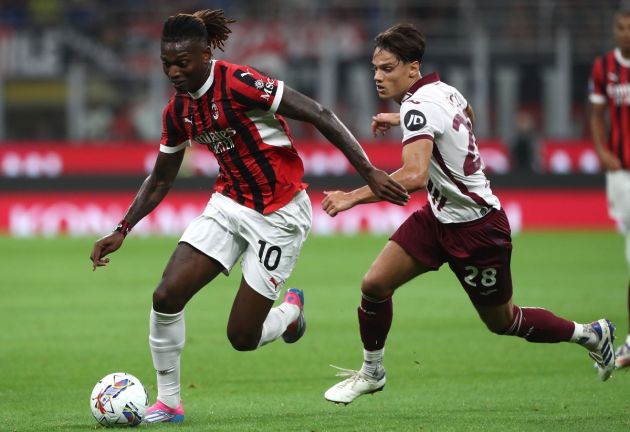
243	341
165	302
375	288
497	328
498	324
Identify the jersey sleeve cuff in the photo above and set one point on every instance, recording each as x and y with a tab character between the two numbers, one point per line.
179	147
597	98
417	138
277	98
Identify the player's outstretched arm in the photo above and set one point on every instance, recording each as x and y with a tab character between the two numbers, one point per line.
151	193
297	106
413	175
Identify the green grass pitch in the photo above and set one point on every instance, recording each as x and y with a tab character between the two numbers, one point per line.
64	327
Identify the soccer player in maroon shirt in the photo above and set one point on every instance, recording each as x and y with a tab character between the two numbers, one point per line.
462	224
610	97
259	210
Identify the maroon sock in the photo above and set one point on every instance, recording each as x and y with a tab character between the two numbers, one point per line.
539	325
375	320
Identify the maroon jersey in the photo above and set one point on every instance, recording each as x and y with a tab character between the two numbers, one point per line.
610	84
233	114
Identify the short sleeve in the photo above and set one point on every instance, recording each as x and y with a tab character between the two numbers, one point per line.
420	120
597	84
252	89
174	137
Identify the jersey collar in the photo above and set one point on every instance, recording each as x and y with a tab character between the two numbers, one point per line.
427	79
625	62
204	88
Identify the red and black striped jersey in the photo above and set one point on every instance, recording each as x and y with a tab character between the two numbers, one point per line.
233	114
610	85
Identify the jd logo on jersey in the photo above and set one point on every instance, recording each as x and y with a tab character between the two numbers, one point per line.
415	120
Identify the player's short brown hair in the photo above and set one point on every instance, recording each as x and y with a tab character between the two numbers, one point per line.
405	41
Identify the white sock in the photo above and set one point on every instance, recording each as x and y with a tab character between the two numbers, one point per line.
372	362
277	322
585	336
628	340
167	334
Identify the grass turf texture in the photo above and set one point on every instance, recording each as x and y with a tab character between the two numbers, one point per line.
64	327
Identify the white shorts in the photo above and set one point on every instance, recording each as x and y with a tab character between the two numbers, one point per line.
618	192
270	244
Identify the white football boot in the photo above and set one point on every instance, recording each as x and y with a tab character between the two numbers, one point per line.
356	385
604	351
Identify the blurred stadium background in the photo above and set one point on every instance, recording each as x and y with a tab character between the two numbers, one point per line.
81	95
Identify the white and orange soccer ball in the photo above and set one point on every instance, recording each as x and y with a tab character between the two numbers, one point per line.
119	399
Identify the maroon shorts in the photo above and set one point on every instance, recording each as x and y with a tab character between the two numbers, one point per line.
478	252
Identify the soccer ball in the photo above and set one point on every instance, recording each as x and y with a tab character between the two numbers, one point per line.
119	399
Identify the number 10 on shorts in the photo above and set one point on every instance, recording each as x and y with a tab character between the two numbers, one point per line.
269	256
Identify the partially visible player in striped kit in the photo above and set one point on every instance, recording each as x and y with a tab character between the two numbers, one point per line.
462	225
260	210
610	100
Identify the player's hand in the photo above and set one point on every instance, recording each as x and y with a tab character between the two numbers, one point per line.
386	188
610	161
382	122
104	246
336	201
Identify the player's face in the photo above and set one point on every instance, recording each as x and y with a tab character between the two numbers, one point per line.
622	32
392	76
186	63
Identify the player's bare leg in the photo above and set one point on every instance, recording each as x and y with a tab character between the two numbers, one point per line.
186	273
253	322
391	269
249	311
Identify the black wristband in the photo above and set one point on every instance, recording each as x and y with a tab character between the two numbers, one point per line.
123	227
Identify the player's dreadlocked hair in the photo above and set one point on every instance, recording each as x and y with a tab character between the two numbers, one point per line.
205	26
404	41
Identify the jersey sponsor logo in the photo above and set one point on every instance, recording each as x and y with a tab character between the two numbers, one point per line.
619	93
244	74
217	141
414	120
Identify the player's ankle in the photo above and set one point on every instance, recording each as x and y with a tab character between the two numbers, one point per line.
171	401
585	336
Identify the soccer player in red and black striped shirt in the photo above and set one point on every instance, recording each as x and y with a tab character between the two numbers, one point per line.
259	210
610	97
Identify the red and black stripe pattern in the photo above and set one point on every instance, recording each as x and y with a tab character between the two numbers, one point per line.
235	118
610	84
